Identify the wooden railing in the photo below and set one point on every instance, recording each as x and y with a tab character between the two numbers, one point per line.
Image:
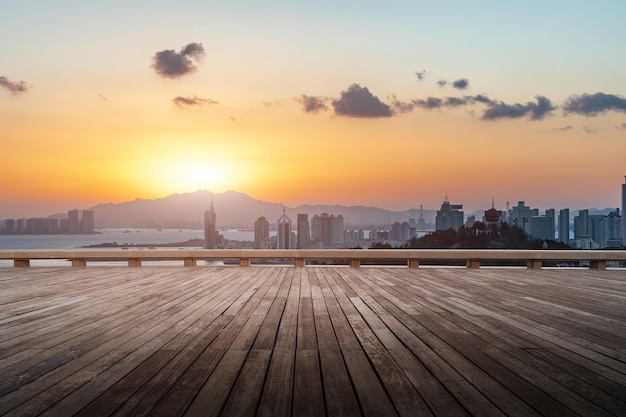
411	258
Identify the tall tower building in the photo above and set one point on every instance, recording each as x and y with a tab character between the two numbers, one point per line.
261	233
283	238
564	226
421	222
209	228
73	221
449	216
87	224
581	224
624	212
521	215
304	232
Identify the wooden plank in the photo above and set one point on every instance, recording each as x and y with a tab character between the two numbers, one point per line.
277	394
154	340
371	394
211	398
245	394
145	399
338	393
308	398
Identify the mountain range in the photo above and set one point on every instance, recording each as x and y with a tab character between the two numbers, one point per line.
233	210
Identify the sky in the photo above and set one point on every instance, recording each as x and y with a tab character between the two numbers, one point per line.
391	104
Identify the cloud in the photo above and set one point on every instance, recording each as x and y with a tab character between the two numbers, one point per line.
171	64
312	104
591	105
479	98
623	126
13	86
428	103
461	84
589	130
431	103
535	111
192	101
566	128
420	75
357	101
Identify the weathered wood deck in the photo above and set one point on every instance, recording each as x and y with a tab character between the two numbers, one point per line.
281	341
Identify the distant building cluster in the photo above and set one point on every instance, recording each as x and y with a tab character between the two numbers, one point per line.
323	231
589	231
74	224
327	231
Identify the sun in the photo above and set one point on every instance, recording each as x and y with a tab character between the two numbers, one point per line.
189	176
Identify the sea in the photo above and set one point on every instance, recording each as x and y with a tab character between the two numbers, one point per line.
119	236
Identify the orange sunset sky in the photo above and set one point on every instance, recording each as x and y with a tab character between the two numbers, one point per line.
389	104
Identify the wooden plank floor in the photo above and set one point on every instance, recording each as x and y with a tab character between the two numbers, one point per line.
315	341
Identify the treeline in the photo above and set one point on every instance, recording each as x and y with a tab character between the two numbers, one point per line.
479	236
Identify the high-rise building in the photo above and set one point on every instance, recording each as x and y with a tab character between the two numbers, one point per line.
542	227
73	221
283	237
564	226
521	215
327	230
261	233
421	222
581	224
449	216
624	212
87	224
304	231
209	228
614	230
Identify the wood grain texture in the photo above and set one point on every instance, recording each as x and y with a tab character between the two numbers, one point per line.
334	341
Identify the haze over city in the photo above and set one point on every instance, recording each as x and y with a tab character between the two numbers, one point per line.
394	105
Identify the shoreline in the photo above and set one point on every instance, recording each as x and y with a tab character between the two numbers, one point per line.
186	244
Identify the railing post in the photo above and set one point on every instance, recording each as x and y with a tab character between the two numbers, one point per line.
244	262
534	264
600	265
21	263
472	263
355	263
414	263
134	262
77	263
190	262
298	262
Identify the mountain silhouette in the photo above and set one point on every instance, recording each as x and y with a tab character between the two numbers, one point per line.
234	210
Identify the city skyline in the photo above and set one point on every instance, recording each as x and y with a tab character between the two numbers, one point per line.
391	105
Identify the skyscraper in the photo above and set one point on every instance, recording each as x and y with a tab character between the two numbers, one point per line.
624	212
261	233
327	230
521	214
581	224
564	226
209	228
73	221
449	216
87	224
283	238
304	232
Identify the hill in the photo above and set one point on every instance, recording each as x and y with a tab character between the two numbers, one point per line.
234	210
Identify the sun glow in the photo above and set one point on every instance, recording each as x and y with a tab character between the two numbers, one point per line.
187	176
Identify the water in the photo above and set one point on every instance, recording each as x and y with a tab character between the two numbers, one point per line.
120	236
